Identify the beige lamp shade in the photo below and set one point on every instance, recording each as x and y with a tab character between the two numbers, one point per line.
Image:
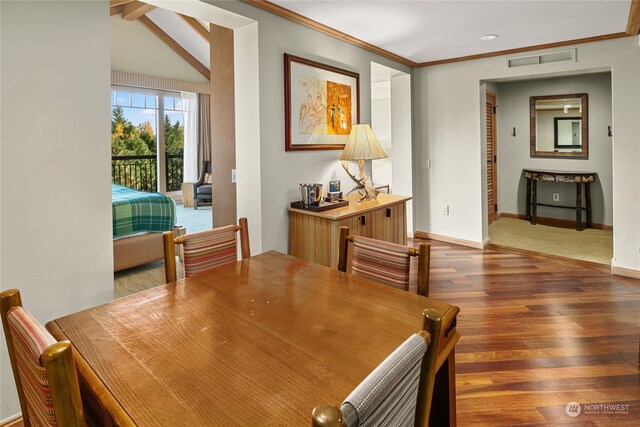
362	145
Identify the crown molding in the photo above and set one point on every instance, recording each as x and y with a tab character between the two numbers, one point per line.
525	49
633	28
303	20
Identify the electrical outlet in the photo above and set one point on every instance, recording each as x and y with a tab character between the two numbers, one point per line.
425	164
445	209
556	197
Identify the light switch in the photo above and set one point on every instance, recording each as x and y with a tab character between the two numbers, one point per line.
425	164
233	176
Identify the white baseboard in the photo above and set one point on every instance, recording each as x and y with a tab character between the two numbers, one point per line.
626	272
453	240
11	420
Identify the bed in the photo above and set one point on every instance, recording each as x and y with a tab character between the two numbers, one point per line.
139	219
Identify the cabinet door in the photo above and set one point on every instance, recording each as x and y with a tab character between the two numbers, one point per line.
389	224
354	223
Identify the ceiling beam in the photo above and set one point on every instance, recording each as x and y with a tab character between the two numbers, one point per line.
174	45
633	24
195	26
116	10
114	3
296	17
135	9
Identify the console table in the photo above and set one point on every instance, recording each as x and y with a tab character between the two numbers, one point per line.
314	235
579	178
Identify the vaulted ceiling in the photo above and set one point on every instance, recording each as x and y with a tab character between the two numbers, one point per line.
185	35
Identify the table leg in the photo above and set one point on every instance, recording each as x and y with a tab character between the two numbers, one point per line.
452	388
534	201
579	206
528	204
443	403
587	195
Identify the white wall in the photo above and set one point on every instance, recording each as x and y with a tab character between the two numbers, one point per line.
281	171
448	130
245	44
55	219
135	49
513	111
381	126
401	123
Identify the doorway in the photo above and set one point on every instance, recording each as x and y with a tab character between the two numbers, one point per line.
554	232
391	122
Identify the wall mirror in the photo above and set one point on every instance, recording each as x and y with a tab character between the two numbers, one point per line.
559	126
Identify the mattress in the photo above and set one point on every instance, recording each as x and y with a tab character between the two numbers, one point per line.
136	212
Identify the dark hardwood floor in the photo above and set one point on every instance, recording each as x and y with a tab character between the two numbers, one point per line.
538	334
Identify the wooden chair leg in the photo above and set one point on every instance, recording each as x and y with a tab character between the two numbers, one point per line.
342	249
432	323
169	257
424	261
63	382
244	238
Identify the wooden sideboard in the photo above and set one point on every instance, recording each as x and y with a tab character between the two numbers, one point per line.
579	178
314	235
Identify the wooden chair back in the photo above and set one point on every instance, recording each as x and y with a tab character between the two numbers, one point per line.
384	262
206	249
418	400
43	368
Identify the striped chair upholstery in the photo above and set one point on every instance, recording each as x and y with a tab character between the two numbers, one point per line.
205	250
43	369
381	261
209	249
398	266
30	340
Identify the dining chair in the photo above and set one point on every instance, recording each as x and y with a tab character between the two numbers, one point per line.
384	262
43	368
205	250
398	392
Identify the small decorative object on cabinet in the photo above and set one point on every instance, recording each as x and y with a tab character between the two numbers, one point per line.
314	235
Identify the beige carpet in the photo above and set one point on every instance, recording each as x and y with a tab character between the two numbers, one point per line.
588	245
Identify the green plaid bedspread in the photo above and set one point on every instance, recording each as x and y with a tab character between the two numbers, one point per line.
135	212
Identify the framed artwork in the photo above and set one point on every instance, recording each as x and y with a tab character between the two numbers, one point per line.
321	104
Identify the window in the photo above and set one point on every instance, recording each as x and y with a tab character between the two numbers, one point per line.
143	146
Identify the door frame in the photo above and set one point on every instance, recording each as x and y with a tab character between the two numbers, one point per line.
493	179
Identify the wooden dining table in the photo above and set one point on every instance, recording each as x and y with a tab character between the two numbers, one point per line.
258	342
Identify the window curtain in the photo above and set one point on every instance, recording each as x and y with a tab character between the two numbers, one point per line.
204	131
190	155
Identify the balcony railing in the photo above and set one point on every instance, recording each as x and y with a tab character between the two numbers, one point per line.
140	172
174	171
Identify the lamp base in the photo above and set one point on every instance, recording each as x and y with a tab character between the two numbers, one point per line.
365	189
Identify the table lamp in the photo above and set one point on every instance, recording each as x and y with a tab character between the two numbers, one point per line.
362	145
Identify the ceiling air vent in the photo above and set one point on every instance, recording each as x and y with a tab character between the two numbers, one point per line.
547	58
